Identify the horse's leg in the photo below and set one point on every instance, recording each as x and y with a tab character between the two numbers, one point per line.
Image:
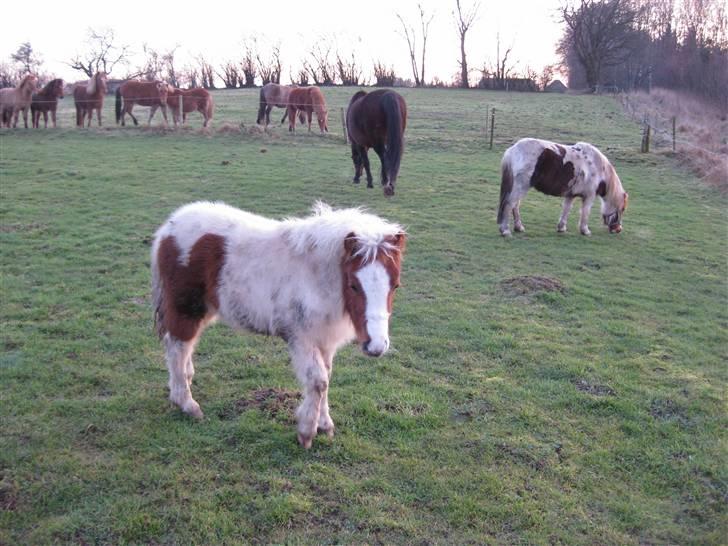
25	117
358	162
152	110
291	119
164	115
365	162
98	115
311	372
517	224
568	201
285	115
45	120
309	116
325	423
586	205
179	362
53	118
379	149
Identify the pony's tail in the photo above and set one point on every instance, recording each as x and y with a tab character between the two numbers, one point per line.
157	295
261	109
506	189
118	105
395	142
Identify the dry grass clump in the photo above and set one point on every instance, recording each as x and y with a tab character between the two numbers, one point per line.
701	131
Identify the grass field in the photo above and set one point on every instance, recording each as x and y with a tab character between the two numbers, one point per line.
586	408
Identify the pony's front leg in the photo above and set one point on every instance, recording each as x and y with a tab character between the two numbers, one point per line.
45	120
53	118
568	201
586	205
25	117
309	117
291	119
325	423
311	372
164	115
152	111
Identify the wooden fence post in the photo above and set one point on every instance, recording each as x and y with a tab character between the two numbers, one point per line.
492	125
645	136
343	126
673	134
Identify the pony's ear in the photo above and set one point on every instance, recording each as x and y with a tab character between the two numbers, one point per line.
400	240
350	245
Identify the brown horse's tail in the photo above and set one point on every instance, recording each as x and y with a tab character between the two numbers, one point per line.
118	105
395	131
505	190
261	110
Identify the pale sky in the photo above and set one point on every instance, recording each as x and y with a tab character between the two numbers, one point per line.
216	28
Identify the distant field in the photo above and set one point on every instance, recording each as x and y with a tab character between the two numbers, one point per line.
587	407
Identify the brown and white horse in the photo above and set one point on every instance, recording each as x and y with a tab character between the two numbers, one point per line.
306	100
191	100
568	171
14	100
377	120
152	94
89	96
273	94
317	282
46	100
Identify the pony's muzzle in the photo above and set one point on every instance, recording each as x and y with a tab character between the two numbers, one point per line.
617	228
376	349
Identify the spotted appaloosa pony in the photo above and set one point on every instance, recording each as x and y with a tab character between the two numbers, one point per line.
569	171
14	100
131	92
306	100
46	100
317	282
273	94
377	120
89	97
192	100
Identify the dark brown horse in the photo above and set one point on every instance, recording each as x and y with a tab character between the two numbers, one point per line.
89	96
190	100
377	120
46	100
152	94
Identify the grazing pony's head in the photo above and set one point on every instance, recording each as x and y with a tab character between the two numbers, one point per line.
614	201
370	276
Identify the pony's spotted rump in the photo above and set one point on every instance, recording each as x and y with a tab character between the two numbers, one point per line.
317	282
563	171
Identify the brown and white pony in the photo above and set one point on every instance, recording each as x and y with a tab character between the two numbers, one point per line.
152	94
273	94
89	96
306	100
46	100
191	100
568	171
377	120
317	282
14	100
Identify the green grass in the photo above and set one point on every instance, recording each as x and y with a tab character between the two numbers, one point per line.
591	415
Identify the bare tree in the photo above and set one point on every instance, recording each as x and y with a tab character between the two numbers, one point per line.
230	75
502	69
27	58
384	75
411	37
547	74
321	69
349	71
102	54
248	66
463	21
270	67
189	76
207	73
598	32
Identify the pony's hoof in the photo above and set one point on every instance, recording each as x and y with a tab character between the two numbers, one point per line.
355	181
585	231
305	441
506	232
388	191
519	228
193	410
370	185
561	229
328	431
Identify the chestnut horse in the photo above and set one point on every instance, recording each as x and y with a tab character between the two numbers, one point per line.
152	94
307	100
46	100
192	100
14	100
377	120
273	94
561	170
89	97
317	282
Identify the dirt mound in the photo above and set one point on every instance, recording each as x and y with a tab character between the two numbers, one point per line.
275	402
531	284
592	388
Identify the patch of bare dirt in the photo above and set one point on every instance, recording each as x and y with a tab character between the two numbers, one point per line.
531	284
278	403
668	410
593	388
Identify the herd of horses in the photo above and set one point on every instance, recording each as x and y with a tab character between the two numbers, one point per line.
317	282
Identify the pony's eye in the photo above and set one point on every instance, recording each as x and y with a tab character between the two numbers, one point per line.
395	286
354	287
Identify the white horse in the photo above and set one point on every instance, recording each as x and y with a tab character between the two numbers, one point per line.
317	282
579	170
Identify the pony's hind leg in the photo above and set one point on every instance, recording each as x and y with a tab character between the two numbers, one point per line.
365	162
358	163
568	201
517	224
179	363
586	205
308	363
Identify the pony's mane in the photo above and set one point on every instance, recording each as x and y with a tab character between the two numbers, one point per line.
326	229
26	81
